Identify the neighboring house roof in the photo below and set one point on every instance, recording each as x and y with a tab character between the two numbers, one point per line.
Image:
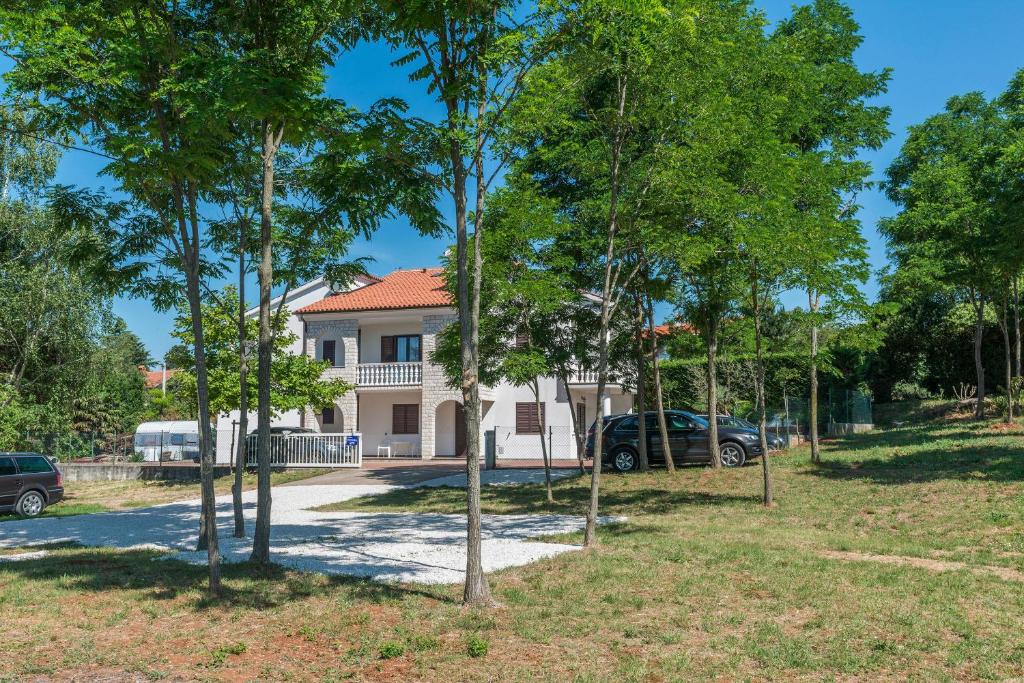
357	281
668	329
419	288
154	378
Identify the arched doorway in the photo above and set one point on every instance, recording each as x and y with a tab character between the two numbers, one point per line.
450	429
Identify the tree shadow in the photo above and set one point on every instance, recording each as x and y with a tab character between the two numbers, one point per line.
966	460
161	578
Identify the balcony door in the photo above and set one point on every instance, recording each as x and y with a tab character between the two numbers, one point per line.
400	348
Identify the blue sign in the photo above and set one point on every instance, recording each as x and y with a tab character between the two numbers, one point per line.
352	440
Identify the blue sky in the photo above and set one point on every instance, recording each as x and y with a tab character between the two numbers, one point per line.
936	48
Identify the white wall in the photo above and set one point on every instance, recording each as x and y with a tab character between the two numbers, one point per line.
375	415
370	334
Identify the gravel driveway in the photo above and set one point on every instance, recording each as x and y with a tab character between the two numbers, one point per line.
403	547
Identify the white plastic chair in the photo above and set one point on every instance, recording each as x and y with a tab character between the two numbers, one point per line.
384	446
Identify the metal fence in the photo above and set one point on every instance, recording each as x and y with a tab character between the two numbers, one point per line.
309	450
848	406
96	446
510	445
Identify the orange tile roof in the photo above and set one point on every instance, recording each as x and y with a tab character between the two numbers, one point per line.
154	378
420	288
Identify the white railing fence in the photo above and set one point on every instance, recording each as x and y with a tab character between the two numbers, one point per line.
310	450
590	377
389	374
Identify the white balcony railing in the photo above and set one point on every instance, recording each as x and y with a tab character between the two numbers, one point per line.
590	377
309	450
389	374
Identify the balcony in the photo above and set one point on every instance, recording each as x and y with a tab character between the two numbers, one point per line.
389	374
590	377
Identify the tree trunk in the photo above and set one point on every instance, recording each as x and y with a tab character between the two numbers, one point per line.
813	303
261	535
658	397
590	533
1004	326
243	393
543	442
1016	325
978	299
762	422
641	389
208	511
712	374
477	591
577	428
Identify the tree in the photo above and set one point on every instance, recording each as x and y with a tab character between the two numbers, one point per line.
474	58
831	121
295	380
281	51
943	180
526	300
142	83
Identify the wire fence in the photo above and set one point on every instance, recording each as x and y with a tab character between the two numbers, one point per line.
155	446
512	445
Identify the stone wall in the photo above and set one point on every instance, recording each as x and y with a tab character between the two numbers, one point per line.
435	384
346	332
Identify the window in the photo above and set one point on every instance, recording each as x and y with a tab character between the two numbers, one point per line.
628	424
7	467
522	340
678	422
400	348
143	440
34	465
526	418
329	352
581	417
405	418
327	416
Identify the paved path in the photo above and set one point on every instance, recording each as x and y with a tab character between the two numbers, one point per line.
404	547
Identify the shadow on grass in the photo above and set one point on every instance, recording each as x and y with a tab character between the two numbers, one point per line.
979	453
620	494
244	584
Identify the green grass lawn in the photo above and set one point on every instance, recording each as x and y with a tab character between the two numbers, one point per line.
88	497
901	557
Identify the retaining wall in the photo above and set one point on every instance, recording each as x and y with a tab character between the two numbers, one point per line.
122	471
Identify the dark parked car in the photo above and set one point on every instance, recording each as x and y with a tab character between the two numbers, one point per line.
775	442
28	483
688	440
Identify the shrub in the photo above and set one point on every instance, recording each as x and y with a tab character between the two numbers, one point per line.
391	649
904	390
477	646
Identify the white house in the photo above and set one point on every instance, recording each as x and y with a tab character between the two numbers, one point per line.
379	336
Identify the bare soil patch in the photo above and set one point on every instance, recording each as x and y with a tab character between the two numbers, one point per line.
1005	573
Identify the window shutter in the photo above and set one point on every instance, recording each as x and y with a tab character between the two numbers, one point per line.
405	418
581	417
526	418
522	340
330	354
387	349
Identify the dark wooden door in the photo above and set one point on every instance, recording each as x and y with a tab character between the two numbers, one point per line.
460	430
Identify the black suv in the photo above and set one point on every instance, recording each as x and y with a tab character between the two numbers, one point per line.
28	483
688	441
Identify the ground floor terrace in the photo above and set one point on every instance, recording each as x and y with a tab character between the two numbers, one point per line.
411	423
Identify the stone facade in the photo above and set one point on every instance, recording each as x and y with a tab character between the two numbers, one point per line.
435	384
346	335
